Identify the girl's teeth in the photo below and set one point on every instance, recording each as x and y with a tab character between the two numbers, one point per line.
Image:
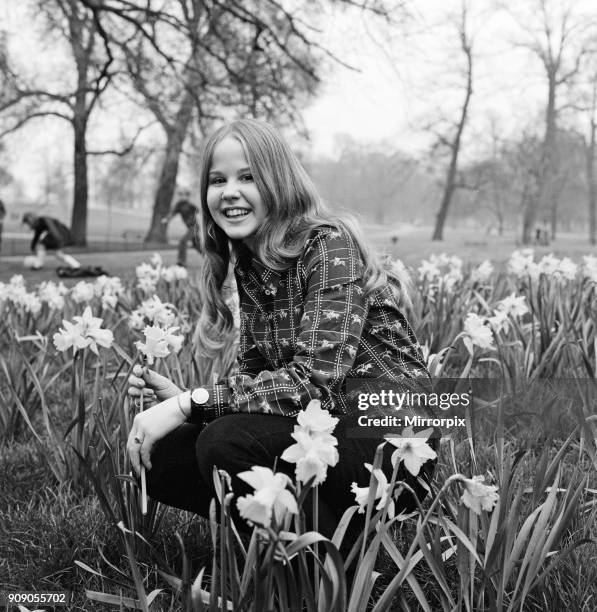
236	213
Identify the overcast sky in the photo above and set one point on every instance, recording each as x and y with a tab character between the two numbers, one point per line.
404	78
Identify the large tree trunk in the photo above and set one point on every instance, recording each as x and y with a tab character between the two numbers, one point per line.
176	134
79	213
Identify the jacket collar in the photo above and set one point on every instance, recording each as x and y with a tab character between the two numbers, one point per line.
251	269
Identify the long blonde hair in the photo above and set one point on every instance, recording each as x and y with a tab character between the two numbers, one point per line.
294	209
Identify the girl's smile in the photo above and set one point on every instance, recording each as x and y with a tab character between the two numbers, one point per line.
232	196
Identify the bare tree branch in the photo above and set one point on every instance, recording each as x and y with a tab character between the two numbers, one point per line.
29	117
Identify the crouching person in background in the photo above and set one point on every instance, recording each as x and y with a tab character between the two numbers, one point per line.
49	234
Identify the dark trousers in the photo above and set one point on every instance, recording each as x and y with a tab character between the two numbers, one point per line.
190	236
183	462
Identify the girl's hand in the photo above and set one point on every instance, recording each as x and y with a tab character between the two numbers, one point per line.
150	426
154	385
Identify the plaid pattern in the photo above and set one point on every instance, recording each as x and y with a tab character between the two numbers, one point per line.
309	331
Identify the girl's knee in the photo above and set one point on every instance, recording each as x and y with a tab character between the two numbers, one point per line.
219	445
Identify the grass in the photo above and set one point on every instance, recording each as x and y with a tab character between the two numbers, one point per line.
46	528
413	245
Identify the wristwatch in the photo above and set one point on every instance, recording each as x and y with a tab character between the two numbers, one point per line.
199	398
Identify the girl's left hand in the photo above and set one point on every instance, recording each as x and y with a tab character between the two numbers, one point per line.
150	426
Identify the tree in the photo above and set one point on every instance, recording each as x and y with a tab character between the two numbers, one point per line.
590	165
198	62
557	36
587	106
73	102
454	141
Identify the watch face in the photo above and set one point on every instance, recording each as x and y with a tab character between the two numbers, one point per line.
200	395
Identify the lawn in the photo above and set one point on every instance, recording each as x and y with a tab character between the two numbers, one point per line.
535	442
412	246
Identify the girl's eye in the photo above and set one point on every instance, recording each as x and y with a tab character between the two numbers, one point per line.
247	178
216	180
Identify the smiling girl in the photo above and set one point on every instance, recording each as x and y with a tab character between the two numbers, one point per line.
320	318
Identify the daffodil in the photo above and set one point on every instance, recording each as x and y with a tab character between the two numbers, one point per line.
174	273
153	311
513	305
69	336
315	420
482	272
31	303
312	455
159	342
52	294
548	264
82	292
146	284
85	332
589	268
567	268
428	270
476	330
478	496
108	288
412	449
521	264
382	490
500	321
91	329
271	498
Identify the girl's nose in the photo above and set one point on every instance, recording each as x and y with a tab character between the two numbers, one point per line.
230	192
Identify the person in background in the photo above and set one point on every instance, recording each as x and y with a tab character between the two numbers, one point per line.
188	213
2	215
49	234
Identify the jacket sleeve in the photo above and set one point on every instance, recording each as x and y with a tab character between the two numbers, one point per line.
335	310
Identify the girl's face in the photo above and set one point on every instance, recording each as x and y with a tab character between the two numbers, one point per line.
232	196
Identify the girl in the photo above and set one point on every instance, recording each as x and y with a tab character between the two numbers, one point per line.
320	318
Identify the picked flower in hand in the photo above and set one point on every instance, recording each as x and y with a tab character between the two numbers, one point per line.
159	342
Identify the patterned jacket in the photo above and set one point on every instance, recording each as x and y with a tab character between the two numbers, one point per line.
312	332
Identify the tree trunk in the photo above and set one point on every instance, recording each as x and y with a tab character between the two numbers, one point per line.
592	188
553	221
79	212
440	218
539	200
450	185
167	183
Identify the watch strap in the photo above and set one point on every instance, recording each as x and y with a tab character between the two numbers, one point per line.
216	406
